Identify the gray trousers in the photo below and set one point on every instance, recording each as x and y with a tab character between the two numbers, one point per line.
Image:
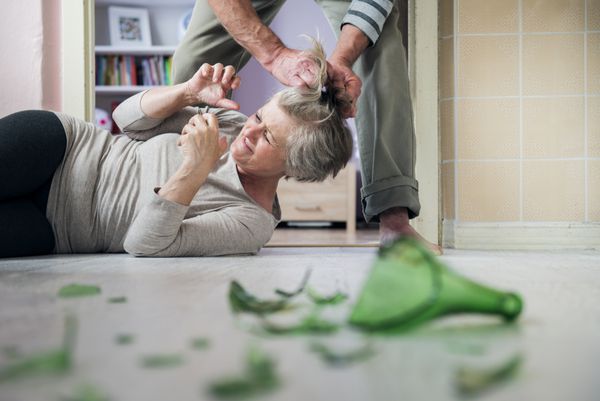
384	121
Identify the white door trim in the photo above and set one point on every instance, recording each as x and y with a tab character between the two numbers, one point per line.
423	71
78	58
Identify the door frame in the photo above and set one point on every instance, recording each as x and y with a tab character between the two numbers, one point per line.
423	73
78	91
78	75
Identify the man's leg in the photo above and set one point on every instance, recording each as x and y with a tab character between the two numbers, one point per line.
384	121
206	41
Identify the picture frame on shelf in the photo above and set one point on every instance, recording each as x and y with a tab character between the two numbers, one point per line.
129	26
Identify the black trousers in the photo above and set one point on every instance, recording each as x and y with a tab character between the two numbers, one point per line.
32	146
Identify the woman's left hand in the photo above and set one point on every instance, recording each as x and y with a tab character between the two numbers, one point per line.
201	144
210	85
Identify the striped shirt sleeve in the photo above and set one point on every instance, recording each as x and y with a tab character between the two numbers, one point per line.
368	16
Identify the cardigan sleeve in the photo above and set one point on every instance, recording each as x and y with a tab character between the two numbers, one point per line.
161	230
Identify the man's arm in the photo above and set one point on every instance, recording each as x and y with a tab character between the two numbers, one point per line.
289	66
361	28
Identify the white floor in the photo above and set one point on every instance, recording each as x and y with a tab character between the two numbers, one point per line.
171	301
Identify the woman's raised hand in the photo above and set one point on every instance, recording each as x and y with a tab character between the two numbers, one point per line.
200	143
210	85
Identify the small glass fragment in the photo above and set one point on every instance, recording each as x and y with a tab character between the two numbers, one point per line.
11	351
340	359
259	377
470	381
311	324
200	343
124	339
242	301
78	290
86	393
162	361
333	299
300	288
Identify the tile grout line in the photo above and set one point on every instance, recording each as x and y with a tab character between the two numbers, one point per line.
520	28
585	114
531	159
517	96
455	19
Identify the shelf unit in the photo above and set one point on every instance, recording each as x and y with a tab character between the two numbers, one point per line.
164	16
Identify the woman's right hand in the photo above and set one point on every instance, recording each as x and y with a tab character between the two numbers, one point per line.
201	144
210	85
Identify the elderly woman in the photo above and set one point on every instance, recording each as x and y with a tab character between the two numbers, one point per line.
182	181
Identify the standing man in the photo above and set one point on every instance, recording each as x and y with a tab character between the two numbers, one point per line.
370	42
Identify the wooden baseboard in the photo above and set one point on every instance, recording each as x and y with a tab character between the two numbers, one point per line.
521	236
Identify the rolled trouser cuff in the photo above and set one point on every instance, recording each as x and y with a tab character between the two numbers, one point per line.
399	191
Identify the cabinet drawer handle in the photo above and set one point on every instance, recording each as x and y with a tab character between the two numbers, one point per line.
308	208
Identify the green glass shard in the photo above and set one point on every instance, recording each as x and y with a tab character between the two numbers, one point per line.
333	299
200	343
55	361
300	288
242	301
162	361
78	290
124	339
470	381
408	286
259	377
312	324
340	359
86	393
117	300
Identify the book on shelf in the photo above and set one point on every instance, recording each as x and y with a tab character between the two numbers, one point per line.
119	70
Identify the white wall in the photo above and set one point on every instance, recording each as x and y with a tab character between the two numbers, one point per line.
29	41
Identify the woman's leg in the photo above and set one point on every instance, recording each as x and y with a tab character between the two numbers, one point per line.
32	146
25	231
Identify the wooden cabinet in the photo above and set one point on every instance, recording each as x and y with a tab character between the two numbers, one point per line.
333	200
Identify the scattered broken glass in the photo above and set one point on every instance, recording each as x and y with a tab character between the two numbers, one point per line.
342	358
242	301
162	361
471	381
408	286
78	290
117	300
258	377
55	361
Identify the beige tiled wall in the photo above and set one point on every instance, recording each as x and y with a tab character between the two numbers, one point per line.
520	110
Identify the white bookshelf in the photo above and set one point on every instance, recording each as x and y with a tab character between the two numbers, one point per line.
163	50
164	16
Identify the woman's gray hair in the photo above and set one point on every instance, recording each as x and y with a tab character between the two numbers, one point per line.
320	143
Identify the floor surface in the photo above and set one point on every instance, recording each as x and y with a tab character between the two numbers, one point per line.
172	301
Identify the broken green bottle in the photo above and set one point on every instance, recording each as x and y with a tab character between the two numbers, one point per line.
408	286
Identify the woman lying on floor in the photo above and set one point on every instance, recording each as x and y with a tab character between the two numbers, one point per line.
172	185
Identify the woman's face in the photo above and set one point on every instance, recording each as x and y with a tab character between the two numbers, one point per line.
260	147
